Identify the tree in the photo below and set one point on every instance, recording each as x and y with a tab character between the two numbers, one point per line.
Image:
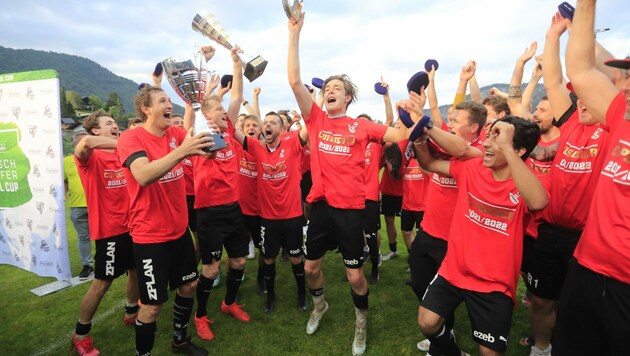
74	99
96	102
113	100
66	107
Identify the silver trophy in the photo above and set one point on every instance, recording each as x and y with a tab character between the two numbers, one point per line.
189	80
293	9
207	25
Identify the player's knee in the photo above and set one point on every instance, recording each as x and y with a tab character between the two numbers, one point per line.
542	305
429	322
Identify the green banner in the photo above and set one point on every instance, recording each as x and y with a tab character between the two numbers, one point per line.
28	76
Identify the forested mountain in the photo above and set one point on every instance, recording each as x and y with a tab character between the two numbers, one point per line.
77	74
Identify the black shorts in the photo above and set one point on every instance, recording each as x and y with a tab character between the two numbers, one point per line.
192	213
593	315
286	233
371	217
218	227
528	253
330	228
252	224
425	257
391	205
113	257
305	184
171	264
490	314
409	219
552	251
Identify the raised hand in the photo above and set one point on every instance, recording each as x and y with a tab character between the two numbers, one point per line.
468	70
208	52
558	26
529	53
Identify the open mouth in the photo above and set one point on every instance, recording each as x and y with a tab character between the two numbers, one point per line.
167	115
251	133
268	132
331	99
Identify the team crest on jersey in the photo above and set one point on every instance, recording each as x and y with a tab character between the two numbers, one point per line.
173	143
353	128
595	135
282	153
514	198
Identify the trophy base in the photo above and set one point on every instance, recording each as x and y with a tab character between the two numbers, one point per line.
255	68
219	143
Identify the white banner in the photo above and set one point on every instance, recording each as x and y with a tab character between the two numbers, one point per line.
32	210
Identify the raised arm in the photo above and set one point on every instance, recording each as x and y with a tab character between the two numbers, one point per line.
528	185
236	95
528	93
86	146
146	172
427	161
515	93
475	92
433	101
389	111
552	68
256	102
302	95
593	87
468	71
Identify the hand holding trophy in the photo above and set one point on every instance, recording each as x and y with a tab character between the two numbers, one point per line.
207	25
189	80
293	9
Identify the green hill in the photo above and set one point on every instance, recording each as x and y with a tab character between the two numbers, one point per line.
78	74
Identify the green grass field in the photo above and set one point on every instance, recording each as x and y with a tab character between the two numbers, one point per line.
32	325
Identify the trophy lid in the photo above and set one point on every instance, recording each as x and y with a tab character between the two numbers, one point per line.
317	82
225	80
566	10
404	117
380	89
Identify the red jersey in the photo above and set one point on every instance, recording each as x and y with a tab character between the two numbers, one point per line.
440	199
415	182
305	162
605	243
216	180
338	157
105	186
279	177
575	173
372	167
157	212
485	242
389	185
188	176
248	183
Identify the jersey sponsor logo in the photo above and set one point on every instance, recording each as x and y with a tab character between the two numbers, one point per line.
489	216
189	276
618	167
114	178
225	154
172	175
274	172
445	182
247	168
147	266
514	197
482	336
336	138
173	143
413	173
111	253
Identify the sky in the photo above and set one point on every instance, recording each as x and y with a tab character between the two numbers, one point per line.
365	39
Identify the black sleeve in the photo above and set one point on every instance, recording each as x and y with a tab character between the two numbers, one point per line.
245	144
134	156
565	117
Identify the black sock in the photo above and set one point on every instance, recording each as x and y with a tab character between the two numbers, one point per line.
270	279
298	273
360	301
131	309
182	308
260	277
204	287
145	336
374	250
393	247
234	277
443	343
82	329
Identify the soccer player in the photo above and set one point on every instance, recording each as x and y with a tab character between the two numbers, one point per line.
163	248
482	262
338	197
108	207
219	216
278	163
594	300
